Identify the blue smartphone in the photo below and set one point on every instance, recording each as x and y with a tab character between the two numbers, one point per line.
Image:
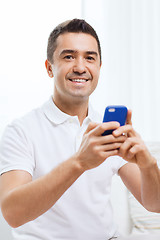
116	113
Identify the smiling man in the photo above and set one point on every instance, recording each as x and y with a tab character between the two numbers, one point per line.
75	66
56	166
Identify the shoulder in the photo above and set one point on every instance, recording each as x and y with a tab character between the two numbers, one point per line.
25	125
25	122
30	119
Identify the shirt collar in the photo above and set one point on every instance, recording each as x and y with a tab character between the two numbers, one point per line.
55	115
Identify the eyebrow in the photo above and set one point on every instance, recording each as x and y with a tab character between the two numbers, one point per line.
75	51
92	53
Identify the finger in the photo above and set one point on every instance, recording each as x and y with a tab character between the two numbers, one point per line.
126	129
109	147
111	153
138	148
132	152
111	139
91	126
107	154
126	146
129	117
100	129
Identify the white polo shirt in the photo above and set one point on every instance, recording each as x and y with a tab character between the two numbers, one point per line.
39	142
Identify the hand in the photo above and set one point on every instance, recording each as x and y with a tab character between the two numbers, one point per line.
133	149
95	148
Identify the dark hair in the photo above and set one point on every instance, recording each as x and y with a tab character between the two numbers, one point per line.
75	26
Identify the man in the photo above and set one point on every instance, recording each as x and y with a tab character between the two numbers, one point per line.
56	167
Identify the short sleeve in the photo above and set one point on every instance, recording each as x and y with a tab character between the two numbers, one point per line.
116	163
16	151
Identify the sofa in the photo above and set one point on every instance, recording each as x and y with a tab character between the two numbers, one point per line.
5	231
132	219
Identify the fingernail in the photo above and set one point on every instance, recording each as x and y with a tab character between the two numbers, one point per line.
115	132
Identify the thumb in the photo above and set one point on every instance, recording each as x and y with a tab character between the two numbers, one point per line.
91	126
129	117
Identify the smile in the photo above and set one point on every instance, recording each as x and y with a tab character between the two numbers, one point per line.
79	80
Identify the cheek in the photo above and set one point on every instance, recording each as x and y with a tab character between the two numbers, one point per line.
61	71
96	72
58	73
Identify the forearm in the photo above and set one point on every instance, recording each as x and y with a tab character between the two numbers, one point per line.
31	200
150	188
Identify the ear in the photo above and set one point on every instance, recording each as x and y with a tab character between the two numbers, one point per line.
49	68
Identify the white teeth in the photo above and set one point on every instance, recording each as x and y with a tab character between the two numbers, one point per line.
78	80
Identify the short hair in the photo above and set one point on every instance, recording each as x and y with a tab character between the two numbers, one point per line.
73	26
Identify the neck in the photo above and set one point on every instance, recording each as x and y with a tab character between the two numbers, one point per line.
78	108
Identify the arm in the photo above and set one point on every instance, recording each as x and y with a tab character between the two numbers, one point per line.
27	199
141	175
144	188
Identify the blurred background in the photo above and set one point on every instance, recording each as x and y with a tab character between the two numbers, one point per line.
129	32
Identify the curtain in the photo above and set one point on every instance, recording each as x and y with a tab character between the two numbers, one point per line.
129	32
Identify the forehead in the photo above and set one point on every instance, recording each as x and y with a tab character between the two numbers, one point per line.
82	42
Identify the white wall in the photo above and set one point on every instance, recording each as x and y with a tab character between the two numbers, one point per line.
25	28
129	31
24	84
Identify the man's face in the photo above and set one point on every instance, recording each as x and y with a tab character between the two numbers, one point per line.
76	67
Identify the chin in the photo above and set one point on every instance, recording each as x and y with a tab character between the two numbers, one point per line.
79	98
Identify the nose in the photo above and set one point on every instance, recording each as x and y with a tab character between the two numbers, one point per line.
79	66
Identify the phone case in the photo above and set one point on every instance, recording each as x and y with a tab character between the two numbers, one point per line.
116	113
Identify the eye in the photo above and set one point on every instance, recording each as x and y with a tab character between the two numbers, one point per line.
68	57
90	58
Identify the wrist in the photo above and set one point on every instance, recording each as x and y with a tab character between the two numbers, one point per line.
79	163
152	163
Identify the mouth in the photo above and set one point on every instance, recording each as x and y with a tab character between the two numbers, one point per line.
78	80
